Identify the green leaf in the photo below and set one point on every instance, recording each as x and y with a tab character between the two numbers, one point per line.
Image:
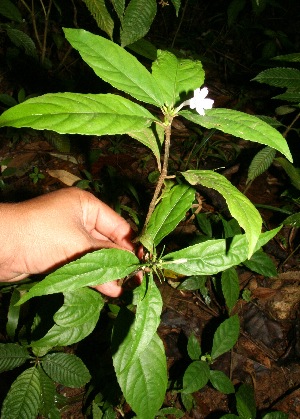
238	204
119	6
230	287
212	256
260	163
13	314
12	356
176	77
187	401
241	125
176	4
94	268
230	416
115	66
292	172
261	263
79	308
101	15
292	58
293	220
195	377
221	382
152	138
177	413
7	100
137	20
10	11
24	397
276	415
245	402
225	336
60	142
48	393
74	113
167	215
193	348
66	369
146	374
289	95
280	77
22	40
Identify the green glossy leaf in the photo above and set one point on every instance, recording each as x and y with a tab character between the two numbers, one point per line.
212	256
245	402
12	356
261	263
238	204
24	397
195	377
167	215
79	308
230	287
137	20
241	125
115	66
146	374
260	163
74	113
48	393
225	336
13	314
66	369
10	11
292	171
221	382
101	15
280	77
176	4
152	138
94	268
119	6
193	348
176	77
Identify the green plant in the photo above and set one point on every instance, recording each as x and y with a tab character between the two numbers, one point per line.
36	175
137	351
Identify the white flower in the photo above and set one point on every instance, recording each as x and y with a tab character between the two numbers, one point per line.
199	101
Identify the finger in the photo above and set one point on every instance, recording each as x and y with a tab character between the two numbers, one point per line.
111	289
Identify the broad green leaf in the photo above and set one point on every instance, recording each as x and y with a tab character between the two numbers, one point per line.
195	377
66	369
177	413
292	171
115	66
79	308
119	6
101	15
137	20
221	382
10	11
144	48
212	256
22	40
176	4
12	356
230	287
292	58
261	263
293	220
241	125
290	96
61	143
146	374
187	401
13	314
24	397
238	204
167	215
176	76
193	348
48	393
153	138
280	77
143	327
245	402
276	415
225	336
260	163
94	268
74	113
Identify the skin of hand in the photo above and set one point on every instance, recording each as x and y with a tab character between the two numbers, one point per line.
43	233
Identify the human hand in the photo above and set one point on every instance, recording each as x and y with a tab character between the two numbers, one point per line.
43	233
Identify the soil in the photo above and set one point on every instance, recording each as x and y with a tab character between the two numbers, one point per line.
267	353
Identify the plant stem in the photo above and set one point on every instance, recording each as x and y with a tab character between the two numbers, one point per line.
45	29
34	25
163	175
291	125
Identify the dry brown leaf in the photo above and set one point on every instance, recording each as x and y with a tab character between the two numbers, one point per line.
65	177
